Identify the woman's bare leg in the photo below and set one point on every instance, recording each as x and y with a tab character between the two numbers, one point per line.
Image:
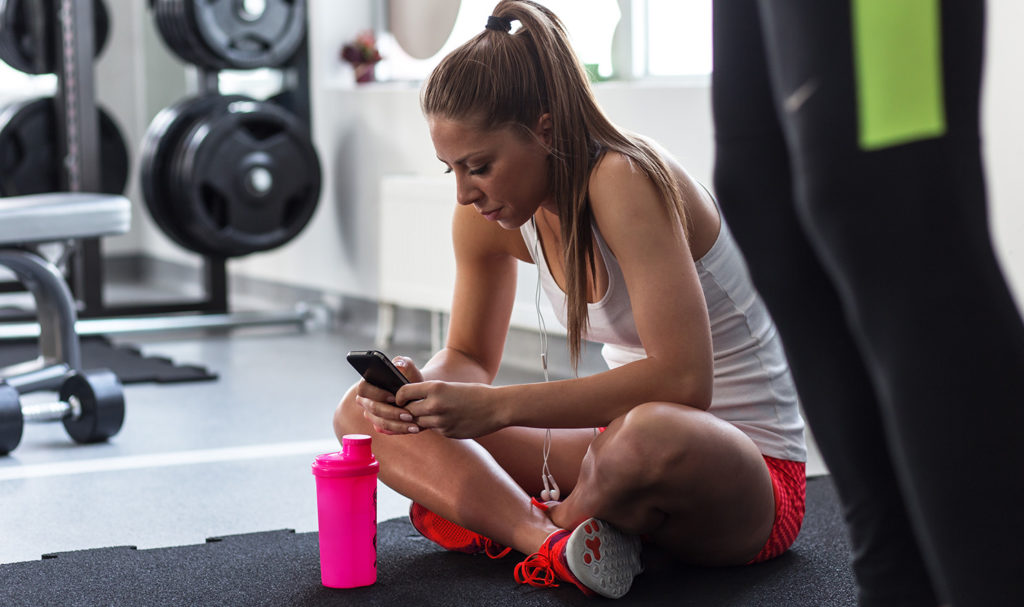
694	484
520	452
457	479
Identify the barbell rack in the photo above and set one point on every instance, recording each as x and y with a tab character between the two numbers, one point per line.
77	127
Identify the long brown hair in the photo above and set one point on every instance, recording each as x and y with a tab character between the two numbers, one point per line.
502	78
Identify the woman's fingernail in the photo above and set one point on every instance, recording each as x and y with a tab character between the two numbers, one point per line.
414	429
405	417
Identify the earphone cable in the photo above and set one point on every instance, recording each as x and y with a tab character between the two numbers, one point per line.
547	478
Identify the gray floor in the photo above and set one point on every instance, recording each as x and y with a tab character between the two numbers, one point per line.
196	460
193	460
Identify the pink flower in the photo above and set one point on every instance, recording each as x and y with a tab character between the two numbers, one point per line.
362	50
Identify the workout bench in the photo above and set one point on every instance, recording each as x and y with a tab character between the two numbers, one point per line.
91	404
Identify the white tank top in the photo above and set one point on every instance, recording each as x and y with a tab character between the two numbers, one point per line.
753	388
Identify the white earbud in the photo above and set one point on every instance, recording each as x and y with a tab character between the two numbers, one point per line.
550	492
550	496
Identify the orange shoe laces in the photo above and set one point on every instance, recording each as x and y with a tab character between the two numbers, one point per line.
537	571
492	548
541	569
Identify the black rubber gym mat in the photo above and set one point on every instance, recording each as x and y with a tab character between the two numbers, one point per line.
281	568
127	362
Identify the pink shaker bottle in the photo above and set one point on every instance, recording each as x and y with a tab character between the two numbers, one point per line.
346	497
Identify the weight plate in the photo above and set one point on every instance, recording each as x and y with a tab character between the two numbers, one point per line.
11	421
19	46
247	177
159	146
190	37
101	397
167	23
159	8
163	12
180	35
29	160
247	34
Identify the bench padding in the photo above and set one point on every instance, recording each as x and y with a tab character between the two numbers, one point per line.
62	216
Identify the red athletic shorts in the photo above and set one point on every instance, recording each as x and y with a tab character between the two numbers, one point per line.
789	483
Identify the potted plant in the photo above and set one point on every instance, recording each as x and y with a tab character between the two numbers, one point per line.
363	55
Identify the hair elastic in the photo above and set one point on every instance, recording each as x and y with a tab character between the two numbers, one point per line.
503	24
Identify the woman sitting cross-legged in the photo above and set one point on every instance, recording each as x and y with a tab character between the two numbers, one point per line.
692	440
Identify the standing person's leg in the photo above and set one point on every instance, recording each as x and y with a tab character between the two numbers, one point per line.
880	106
754	187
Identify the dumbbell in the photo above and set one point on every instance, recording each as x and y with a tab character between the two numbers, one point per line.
91	406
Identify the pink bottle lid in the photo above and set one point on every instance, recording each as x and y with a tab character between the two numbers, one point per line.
354	459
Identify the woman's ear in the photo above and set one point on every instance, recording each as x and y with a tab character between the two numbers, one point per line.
543	129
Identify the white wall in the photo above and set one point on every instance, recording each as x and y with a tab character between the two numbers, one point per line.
368	132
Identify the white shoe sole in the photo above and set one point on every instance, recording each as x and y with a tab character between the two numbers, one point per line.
603	558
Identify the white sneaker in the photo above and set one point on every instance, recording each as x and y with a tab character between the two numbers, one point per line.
603	558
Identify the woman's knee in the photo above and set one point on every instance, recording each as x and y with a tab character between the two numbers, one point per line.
348	415
643	445
631	465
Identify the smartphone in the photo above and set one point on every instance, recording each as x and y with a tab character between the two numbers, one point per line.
377	369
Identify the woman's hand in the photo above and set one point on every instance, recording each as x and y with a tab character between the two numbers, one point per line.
379	406
455	410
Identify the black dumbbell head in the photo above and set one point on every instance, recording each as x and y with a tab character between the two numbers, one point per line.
11	421
101	397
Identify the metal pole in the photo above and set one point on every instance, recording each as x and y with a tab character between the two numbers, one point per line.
78	130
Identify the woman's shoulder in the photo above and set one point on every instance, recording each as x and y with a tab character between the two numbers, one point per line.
618	185
614	176
612	164
623	195
615	168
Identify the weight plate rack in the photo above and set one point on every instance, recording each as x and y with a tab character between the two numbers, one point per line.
228	175
214	217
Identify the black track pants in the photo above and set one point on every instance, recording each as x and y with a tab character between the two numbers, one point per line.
866	231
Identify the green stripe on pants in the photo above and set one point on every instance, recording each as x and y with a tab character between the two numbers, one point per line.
897	51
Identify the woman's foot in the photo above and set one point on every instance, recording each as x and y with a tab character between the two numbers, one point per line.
595	557
453	537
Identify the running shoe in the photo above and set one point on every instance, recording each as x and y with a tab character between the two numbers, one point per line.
595	557
453	537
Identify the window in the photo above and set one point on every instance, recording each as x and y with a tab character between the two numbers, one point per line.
620	38
676	40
